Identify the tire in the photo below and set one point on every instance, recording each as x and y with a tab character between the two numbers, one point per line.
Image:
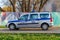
44	26
12	27
17	28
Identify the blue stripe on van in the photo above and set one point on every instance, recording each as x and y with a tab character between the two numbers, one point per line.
44	19
28	20
27	23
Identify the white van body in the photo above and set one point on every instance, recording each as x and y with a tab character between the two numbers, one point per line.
32	20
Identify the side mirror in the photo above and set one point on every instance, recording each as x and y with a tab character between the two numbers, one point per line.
18	18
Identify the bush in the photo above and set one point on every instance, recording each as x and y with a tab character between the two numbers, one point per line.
30	36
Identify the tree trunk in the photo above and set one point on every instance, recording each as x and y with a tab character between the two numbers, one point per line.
13	4
20	5
23	5
29	6
42	4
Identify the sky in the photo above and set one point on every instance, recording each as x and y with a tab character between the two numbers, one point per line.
2	2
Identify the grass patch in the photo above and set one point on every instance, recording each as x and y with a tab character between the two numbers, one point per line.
26	36
2	27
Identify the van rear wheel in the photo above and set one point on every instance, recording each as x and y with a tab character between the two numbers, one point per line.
44	26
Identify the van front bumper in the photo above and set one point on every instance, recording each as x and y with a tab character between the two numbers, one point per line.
7	25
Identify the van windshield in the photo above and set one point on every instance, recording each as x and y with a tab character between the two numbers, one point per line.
44	15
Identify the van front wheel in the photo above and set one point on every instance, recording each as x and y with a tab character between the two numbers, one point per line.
12	27
44	26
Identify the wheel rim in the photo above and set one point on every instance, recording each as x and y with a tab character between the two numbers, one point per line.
44	26
11	26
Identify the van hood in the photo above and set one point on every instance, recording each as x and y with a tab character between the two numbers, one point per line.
15	21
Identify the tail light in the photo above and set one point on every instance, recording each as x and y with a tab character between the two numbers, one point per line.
51	19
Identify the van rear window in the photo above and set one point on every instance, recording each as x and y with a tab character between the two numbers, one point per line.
44	15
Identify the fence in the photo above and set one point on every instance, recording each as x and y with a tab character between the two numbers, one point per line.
7	16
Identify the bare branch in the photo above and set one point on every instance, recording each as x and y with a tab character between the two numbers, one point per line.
12	5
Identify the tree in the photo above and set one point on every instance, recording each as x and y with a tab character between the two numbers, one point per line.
29	2
25	5
42	4
7	9
13	4
1	9
19	5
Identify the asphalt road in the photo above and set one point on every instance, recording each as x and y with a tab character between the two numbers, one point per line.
30	30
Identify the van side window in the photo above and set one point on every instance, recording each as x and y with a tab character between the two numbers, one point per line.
24	17
33	16
44	15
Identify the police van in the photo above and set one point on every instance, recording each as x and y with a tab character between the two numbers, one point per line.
32	20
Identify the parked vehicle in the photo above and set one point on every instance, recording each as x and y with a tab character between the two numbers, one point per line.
32	20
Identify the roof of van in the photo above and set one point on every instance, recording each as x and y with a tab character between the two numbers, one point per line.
37	13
